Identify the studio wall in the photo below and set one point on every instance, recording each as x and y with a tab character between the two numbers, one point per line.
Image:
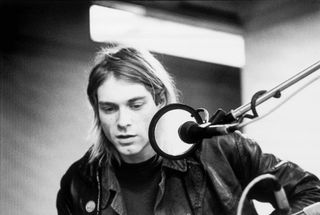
275	52
279	45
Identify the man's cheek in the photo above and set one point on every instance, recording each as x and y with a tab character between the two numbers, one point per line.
106	130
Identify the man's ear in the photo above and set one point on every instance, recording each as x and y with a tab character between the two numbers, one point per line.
162	101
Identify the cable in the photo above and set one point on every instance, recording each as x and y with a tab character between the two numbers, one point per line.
241	125
248	187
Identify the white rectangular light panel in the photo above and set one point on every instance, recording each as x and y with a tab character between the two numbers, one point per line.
167	37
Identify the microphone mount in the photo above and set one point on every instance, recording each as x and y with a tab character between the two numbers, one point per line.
237	115
169	119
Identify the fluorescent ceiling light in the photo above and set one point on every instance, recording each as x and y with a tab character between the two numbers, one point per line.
109	24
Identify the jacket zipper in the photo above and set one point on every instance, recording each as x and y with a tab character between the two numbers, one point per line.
99	193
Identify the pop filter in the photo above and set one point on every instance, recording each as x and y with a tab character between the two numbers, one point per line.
164	130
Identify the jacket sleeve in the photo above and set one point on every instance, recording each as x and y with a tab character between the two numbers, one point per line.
302	188
64	200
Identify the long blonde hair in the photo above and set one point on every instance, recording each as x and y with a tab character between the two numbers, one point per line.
133	64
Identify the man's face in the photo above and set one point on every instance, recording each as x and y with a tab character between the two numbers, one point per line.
125	111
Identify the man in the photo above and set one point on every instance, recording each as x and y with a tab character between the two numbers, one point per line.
122	174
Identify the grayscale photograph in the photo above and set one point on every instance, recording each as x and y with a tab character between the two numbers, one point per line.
164	107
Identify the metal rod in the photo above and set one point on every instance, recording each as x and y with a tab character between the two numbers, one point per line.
245	108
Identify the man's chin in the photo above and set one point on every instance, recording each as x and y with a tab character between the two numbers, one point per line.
129	150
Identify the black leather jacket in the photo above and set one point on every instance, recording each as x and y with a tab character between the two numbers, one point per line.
210	182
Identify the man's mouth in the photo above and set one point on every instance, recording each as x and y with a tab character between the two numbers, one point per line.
125	136
126	140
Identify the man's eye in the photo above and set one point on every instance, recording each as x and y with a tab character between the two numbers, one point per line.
108	109
137	106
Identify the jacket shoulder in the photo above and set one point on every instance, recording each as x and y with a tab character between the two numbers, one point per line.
225	145
80	169
77	186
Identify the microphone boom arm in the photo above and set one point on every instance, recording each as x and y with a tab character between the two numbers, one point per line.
275	91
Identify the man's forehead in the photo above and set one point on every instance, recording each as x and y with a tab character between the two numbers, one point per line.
118	90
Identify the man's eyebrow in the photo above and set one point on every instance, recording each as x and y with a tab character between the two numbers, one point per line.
136	99
129	101
106	103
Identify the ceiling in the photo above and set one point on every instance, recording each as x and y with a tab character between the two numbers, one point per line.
235	13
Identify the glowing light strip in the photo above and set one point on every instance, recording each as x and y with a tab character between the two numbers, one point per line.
108	24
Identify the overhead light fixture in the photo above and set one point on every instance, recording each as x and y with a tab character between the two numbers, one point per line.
167	37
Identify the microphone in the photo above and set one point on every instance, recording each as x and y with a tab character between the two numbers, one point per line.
191	132
313	209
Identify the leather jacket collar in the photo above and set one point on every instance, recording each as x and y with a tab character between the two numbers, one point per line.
110	190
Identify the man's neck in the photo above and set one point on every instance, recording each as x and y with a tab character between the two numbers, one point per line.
144	155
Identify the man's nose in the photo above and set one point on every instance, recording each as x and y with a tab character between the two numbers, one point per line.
124	118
